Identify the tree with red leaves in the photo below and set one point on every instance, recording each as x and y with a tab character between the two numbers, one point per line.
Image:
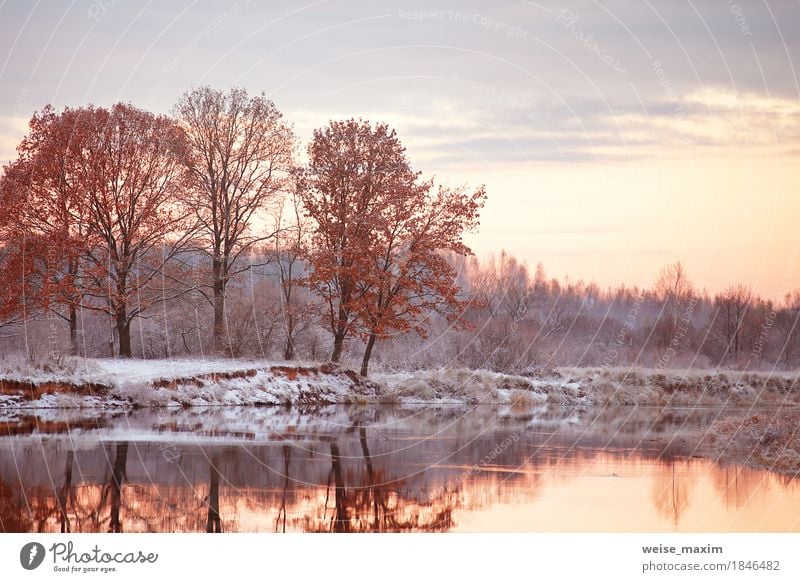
377	251
353	170
138	221
96	200
412	276
45	229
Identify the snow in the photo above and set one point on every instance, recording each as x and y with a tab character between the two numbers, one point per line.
210	382
224	382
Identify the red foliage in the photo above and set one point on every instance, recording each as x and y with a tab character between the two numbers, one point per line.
378	249
92	194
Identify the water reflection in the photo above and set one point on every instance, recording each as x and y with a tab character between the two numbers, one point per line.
378	469
671	492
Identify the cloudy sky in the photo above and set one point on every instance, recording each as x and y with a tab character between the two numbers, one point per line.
612	136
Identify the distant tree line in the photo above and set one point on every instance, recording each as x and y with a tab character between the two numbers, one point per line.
129	234
521	320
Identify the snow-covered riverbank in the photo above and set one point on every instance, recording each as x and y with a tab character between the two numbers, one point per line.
113	383
79	383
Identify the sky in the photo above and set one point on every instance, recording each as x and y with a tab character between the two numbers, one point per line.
613	137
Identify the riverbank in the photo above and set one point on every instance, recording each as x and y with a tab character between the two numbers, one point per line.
106	383
89	383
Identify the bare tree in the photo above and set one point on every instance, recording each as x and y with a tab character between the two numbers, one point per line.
734	303
674	290
292	232
240	154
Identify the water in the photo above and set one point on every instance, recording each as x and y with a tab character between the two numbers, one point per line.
375	468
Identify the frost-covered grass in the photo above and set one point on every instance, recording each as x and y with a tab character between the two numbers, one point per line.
461	385
116	371
75	382
593	386
686	388
763	439
179	383
49	368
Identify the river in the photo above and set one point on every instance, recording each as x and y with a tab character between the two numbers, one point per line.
379	468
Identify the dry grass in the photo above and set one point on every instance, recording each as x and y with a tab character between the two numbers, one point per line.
765	439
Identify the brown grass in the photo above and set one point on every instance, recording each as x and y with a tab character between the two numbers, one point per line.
765	439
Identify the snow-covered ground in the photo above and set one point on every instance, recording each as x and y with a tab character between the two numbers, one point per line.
79	383
180	383
123	370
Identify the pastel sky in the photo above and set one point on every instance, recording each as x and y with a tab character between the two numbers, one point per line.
612	136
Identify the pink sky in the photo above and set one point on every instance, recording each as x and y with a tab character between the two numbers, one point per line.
612	138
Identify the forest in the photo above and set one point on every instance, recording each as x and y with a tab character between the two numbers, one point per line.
212	231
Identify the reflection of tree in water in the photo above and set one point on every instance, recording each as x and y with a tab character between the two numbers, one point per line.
213	521
671	494
375	504
360	495
112	505
287	454
736	485
338	479
15	513
64	492
115	486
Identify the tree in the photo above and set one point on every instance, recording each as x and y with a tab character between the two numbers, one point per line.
240	153
96	210
46	215
290	248
353	170
675	291
787	327
14	270
132	181
412	276
733	304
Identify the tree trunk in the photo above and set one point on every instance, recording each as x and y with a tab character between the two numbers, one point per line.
338	344
118	475
73	330
218	273
340	332
288	352
341	523
63	496
124	333
377	500
287	453
213	520
368	354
